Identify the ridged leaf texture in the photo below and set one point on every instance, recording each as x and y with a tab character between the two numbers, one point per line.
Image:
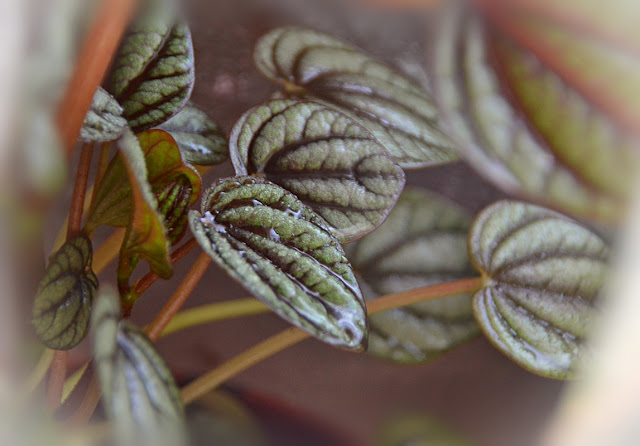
153	73
201	141
104	121
328	160
422	243
400	114
285	255
543	274
62	306
524	125
138	390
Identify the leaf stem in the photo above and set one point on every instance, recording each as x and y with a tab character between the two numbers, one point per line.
145	283
57	373
88	404
94	58
214	312
292	336
79	191
39	371
179	297
108	251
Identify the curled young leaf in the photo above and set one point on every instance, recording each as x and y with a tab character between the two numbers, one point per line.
62	306
525	127
422	243
138	390
153	72
328	160
201	141
543	274
104	121
399	113
285	255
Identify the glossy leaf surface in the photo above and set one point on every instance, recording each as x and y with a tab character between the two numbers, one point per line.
328	160
525	127
422	243
201	141
62	306
395	109
153	72
104	121
543	274
285	255
138	390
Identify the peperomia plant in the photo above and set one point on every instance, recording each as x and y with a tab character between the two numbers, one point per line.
316	222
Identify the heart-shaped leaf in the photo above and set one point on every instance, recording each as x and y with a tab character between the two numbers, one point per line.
62	306
201	141
395	109
104	121
328	160
138	390
285	255
543	274
153	72
423	242
521	124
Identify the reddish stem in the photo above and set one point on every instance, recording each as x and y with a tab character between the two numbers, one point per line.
145	283
93	61
79	190
179	297
57	374
88	404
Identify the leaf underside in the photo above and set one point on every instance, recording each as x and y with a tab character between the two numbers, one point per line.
285	255
104	121
328	160
544	272
62	306
399	113
422	243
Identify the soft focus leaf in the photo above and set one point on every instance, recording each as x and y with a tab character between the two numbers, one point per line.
543	274
153	72
201	141
422	243
395	109
328	160
62	306
138	390
525	127
417	430
104	121
285	255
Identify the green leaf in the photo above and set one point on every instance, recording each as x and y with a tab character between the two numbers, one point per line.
417	430
104	121
285	255
543	274
395	109
524	127
138	390
422	243
62	306
153	73
201	141
146	236
332	163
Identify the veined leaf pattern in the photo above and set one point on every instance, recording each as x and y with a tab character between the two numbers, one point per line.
399	113
104	121
285	255
328	160
543	275
62	306
422	243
